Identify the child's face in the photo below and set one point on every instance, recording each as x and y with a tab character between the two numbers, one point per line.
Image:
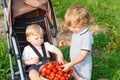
75	29
35	40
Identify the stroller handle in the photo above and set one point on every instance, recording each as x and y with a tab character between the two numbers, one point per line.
4	4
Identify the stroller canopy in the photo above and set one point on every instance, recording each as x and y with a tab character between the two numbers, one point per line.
20	7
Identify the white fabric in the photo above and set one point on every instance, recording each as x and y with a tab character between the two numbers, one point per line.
28	52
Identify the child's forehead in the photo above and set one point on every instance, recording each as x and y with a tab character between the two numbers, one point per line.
75	25
35	36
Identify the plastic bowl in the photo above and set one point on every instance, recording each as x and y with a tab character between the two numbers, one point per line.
56	73
43	78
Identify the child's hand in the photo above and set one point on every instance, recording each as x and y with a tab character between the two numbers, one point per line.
60	60
35	60
66	67
64	43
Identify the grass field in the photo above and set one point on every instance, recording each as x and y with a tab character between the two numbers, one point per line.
106	53
106	47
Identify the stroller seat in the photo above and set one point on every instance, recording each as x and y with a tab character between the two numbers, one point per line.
20	27
42	15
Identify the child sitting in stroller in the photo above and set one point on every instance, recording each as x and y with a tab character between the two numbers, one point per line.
34	35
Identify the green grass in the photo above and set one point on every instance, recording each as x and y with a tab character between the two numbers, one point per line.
105	65
65	51
1	15
4	60
100	41
105	12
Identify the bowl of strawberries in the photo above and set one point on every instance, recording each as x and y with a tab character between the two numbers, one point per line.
54	71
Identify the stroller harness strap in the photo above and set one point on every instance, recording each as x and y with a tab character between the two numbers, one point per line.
44	58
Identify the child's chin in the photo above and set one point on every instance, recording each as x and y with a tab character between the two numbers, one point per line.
39	44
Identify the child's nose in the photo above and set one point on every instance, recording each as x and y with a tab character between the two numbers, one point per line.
71	29
39	39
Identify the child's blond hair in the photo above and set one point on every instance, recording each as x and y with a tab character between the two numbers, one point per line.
76	15
34	30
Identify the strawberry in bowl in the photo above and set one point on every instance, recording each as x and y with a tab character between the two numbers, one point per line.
53	71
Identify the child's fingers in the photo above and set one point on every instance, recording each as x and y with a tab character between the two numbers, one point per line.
62	43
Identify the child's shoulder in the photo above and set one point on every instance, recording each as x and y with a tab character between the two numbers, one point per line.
47	43
27	47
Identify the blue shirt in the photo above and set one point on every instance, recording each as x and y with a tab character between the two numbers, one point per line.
82	41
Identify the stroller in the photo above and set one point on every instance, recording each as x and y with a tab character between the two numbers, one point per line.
17	15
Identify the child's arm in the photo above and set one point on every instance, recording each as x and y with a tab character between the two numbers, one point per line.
27	60
31	61
77	60
60	58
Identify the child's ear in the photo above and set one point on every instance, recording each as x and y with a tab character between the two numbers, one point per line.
28	39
